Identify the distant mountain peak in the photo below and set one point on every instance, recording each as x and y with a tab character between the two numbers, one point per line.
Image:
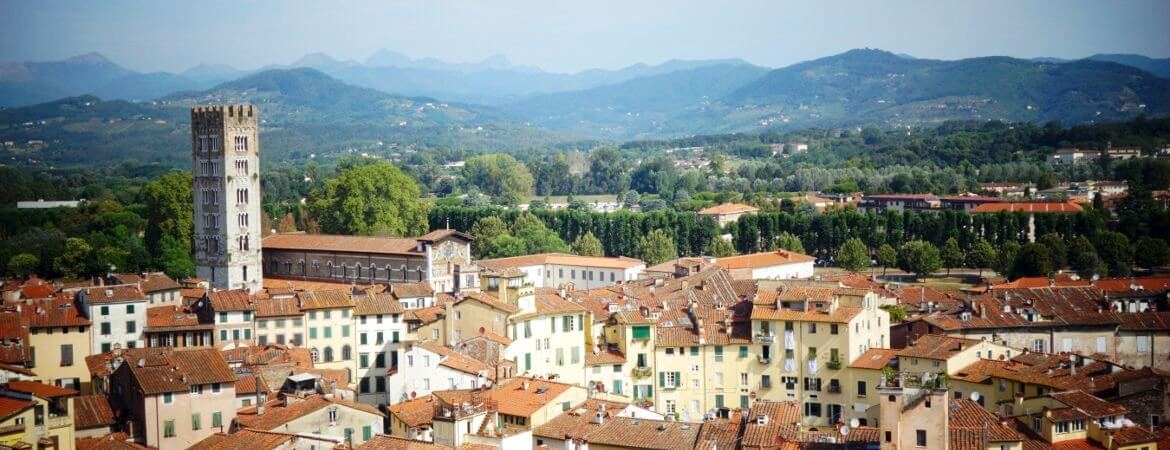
88	58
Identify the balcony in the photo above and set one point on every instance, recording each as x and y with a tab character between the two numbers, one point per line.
833	364
642	372
765	338
58	422
834	388
765	359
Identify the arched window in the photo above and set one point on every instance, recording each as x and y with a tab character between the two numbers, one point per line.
302	263
358	270
313	353
328	354
346	353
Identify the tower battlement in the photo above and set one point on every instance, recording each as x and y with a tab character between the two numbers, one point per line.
214	115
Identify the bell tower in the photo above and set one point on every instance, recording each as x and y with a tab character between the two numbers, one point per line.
225	148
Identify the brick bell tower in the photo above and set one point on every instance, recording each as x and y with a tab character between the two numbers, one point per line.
225	149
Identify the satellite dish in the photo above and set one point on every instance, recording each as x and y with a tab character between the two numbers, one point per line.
855	423
845	430
975	396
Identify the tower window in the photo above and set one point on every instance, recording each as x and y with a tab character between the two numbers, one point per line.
241	143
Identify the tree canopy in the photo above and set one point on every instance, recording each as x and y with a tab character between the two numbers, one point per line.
374	198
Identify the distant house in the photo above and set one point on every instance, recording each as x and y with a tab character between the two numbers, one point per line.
552	269
899	202
42	204
1032	208
775	265
728	212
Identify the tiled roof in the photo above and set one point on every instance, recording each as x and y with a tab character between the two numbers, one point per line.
414	413
92	411
560	259
387	442
843	314
765	259
728	208
645	433
37	288
17	369
113	294
604	357
10	407
578	421
175	370
514	400
38	389
976	427
1133	435
112	441
458	361
276	415
249	384
1031	207
412	290
874	358
502	340
249	439
233	300
781	417
278	307
937	346
376	304
430	314
54	312
489	300
1042	369
173	318
341	244
441	233
325	299
1090	405
549	302
150	283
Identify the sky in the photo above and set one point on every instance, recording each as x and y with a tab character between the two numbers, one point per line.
570	36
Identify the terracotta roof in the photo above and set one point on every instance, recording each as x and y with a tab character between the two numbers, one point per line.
36	288
781	417
874	358
549	302
325	299
172	318
233	300
341	244
489	300
113	294
843	314
38	389
901	197
249	384
412	290
376	304
278	307
604	357
276	414
10	407
387	442
92	411
765	259
1031	207
177	369
1133	435
728	208
17	369
976	427
192	293
579	420
560	259
112	441
1090	405
414	413
54	312
249	439
645	433
150	283
937	346
458	361
426	315
502	340
514	400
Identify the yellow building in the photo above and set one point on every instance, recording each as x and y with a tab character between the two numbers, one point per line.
1073	416
16	419
330	326
59	337
52	413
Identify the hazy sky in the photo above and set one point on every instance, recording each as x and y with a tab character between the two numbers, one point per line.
565	36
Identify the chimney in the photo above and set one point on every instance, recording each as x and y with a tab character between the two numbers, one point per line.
599	418
525	385
260	397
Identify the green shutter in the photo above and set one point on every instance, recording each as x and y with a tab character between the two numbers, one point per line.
367	433
662	380
527	361
678	379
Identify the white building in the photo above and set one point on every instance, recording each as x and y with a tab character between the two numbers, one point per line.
548	338
776	265
585	272
118	314
380	331
427	367
232	313
225	151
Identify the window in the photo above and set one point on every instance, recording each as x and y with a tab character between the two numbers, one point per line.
223	317
1101	344
719	353
169	428
1062	427
812	328
812	409
743	351
641	333
861	388
66	355
364	360
833	329
168	398
196	389
920	438
1038	345
215	388
105	310
195	425
743	379
217	419
1143	344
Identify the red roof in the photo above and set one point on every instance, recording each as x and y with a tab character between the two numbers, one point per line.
38	389
10	406
728	208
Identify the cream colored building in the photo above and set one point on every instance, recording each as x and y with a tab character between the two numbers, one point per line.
329	323
549	338
316	415
59	341
52	412
279	320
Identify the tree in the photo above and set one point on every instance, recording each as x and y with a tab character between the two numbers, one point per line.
656	248
1153	252
920	258
952	256
74	263
1006	257
1032	260
1057	249
500	176
588	245
607	172
175	260
790	242
719	248
503	246
537	237
982	255
169	211
370	199
853	255
23	264
1115	252
1083	259
631	199
887	257
486	229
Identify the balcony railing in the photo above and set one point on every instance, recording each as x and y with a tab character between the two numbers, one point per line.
58	422
765	359
765	338
833	364
642	372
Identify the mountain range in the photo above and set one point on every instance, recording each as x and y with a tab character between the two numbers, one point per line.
319	102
